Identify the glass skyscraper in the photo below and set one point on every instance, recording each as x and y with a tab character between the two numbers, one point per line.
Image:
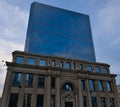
59	32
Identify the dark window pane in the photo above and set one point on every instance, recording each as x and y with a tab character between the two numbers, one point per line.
94	102
61	64
108	85
112	104
103	104
53	63
41	80
52	82
27	100
68	87
84	101
81	66
100	86
40	100
52	102
105	70
20	59
16	79
29	79
97	69
83	84
89	68
42	62
13	100
31	61
67	65
91	85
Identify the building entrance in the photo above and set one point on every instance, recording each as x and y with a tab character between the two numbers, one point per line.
68	104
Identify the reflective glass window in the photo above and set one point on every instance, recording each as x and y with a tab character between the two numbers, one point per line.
40	100
83	84
27	100
53	63
108	85
112	104
73	65
31	61
89	68
61	64
91	85
42	62
84	101
100	85
81	66
94	101
67	65
52	101
20	59
103	103
16	79
97	69
13	100
105	70
41	80
29	79
68	87
52	82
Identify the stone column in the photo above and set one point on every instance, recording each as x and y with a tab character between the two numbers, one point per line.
80	100
34	91
6	90
47	92
76	100
21	91
57	97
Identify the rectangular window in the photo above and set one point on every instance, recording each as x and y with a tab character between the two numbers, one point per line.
41	80
52	82
81	67
52	101
105	70
42	62
93	101
20	59
40	100
91	85
89	68
16	79
53	63
83	84
29	79
84	101
31	61
13	100
103	103
108	86
97	69
67	65
112	104
61	64
100	86
73	65
27	100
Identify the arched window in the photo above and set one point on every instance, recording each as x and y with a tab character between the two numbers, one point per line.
68	87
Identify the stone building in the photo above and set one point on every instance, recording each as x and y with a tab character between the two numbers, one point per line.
118	88
51	81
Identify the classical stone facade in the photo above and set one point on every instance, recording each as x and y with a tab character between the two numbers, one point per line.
118	88
48	81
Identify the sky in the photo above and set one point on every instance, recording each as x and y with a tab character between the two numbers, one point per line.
104	19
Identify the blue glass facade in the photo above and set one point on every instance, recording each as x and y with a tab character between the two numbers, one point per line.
59	32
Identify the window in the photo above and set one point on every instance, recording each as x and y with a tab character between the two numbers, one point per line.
84	101
83	84
40	100
13	100
73	65
52	101
81	66
68	87
91	85
97	69
29	79
31	61
61	64
100	86
67	65
105	70
20	59
112	104
27	100
89	68
42	62
53	63
103	104
52	82
41	80
16	79
108	86
94	102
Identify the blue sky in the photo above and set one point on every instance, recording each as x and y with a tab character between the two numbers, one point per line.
105	24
